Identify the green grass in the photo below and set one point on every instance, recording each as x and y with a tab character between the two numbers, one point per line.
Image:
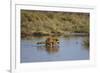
54	22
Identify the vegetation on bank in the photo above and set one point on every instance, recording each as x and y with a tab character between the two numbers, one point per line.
40	23
86	42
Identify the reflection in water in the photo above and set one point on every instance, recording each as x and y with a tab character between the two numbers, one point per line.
50	50
86	42
54	49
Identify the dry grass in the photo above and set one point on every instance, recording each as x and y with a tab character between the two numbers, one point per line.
54	22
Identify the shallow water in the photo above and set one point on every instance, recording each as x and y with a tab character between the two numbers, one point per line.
70	48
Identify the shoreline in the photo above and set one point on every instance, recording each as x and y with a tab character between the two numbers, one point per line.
38	34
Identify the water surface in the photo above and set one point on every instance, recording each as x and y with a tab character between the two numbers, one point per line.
70	48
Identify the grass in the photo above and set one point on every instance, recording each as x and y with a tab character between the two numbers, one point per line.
57	23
